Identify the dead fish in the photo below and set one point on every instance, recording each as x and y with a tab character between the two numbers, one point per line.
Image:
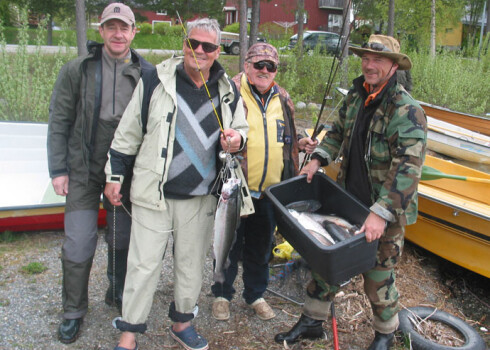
337	220
313	227
309	205
337	231
226	222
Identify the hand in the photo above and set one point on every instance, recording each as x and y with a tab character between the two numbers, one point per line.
230	140
310	169
60	185
112	193
307	144
374	227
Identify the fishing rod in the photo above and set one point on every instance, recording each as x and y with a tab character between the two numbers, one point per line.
200	71
333	72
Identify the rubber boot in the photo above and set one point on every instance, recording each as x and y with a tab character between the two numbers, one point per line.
116	277
305	328
381	341
74	298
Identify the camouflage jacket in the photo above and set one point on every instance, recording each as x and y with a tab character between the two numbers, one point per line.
394	150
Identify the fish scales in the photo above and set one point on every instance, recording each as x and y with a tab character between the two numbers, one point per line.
226	222
313	227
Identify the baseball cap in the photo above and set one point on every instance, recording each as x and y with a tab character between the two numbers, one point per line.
119	11
262	52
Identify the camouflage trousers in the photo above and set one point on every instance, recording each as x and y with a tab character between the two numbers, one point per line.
379	282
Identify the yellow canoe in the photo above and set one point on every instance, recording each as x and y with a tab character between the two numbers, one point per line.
454	215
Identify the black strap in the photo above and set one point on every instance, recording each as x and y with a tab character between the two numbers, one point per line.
150	82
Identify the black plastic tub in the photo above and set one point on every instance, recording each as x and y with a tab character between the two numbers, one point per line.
336	263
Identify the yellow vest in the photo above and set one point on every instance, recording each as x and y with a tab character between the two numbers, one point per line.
265	139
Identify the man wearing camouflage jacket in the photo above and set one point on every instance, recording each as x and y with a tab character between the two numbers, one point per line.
379	138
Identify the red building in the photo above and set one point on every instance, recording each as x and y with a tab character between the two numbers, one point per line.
320	14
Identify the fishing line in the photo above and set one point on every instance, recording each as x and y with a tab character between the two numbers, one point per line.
200	71
139	222
336	62
114	257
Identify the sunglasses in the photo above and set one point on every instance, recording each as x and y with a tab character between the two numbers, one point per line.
206	47
271	67
376	47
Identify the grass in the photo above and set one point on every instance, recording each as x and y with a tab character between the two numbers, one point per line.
10	237
34	268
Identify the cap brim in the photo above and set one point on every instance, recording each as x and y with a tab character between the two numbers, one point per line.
259	58
122	19
403	61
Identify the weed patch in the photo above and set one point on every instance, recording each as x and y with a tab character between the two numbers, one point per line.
10	237
34	268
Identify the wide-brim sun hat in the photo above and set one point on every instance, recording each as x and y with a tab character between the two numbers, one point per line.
386	46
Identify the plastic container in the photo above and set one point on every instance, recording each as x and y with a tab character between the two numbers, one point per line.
336	263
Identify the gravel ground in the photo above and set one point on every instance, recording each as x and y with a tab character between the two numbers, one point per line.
30	305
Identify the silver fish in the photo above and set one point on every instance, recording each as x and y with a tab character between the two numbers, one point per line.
309	205
226	222
337	220
313	227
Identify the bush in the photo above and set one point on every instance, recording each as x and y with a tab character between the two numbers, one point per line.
176	31
144	28
25	84
235	28
161	28
274	31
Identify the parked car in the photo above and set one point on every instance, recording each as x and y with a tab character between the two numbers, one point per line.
333	46
326	42
231	42
313	39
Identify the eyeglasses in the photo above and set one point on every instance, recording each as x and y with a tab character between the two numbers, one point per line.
206	47
376	47
271	66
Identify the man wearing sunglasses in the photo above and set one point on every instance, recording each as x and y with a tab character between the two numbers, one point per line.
174	151
271	155
379	138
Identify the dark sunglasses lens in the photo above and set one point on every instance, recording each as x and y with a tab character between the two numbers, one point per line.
206	47
375	47
271	67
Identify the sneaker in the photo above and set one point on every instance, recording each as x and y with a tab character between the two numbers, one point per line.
262	309
189	339
221	309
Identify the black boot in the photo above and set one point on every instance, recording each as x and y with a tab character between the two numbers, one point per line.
68	330
382	341
114	293
306	327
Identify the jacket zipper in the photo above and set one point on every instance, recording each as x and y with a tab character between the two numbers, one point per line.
114	90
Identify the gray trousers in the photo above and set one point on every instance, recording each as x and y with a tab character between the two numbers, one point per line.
81	214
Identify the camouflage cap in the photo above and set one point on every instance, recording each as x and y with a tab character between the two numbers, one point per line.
119	11
262	52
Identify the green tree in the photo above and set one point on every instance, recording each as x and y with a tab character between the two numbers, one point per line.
49	9
186	8
412	17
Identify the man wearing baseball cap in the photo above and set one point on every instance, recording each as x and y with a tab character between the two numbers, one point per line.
89	98
379	138
270	155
